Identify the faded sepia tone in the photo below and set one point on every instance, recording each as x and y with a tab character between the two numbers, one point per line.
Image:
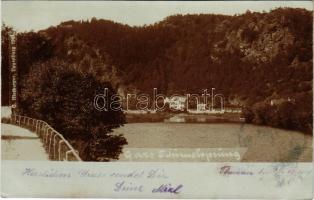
191	82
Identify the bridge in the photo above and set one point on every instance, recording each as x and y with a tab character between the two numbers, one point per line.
26	138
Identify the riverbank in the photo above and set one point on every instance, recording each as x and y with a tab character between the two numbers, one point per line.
184	118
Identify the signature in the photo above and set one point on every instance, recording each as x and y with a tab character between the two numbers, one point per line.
168	188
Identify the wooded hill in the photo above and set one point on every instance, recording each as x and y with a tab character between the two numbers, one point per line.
251	58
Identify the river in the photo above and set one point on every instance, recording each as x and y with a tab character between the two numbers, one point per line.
261	143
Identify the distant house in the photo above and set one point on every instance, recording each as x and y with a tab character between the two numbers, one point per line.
279	101
233	110
176	102
201	107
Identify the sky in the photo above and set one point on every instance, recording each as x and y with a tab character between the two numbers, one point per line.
38	15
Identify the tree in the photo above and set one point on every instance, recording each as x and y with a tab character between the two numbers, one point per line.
32	47
64	97
5	65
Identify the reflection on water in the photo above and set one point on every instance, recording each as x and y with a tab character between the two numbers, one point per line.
175	119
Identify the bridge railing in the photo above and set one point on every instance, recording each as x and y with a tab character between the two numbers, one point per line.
57	147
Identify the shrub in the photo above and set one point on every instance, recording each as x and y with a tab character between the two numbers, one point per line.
287	115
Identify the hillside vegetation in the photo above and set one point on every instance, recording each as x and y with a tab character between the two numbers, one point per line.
251	59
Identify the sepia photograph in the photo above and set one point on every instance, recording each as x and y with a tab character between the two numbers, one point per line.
157	99
143	81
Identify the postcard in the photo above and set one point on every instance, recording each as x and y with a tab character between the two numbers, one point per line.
157	99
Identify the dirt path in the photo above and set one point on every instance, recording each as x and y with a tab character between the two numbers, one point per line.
20	144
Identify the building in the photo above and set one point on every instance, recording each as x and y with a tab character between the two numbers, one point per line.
233	110
279	101
176	102
201	107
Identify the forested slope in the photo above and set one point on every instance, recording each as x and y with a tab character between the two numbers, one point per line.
251	58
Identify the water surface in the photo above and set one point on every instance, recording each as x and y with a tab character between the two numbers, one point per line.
264	144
